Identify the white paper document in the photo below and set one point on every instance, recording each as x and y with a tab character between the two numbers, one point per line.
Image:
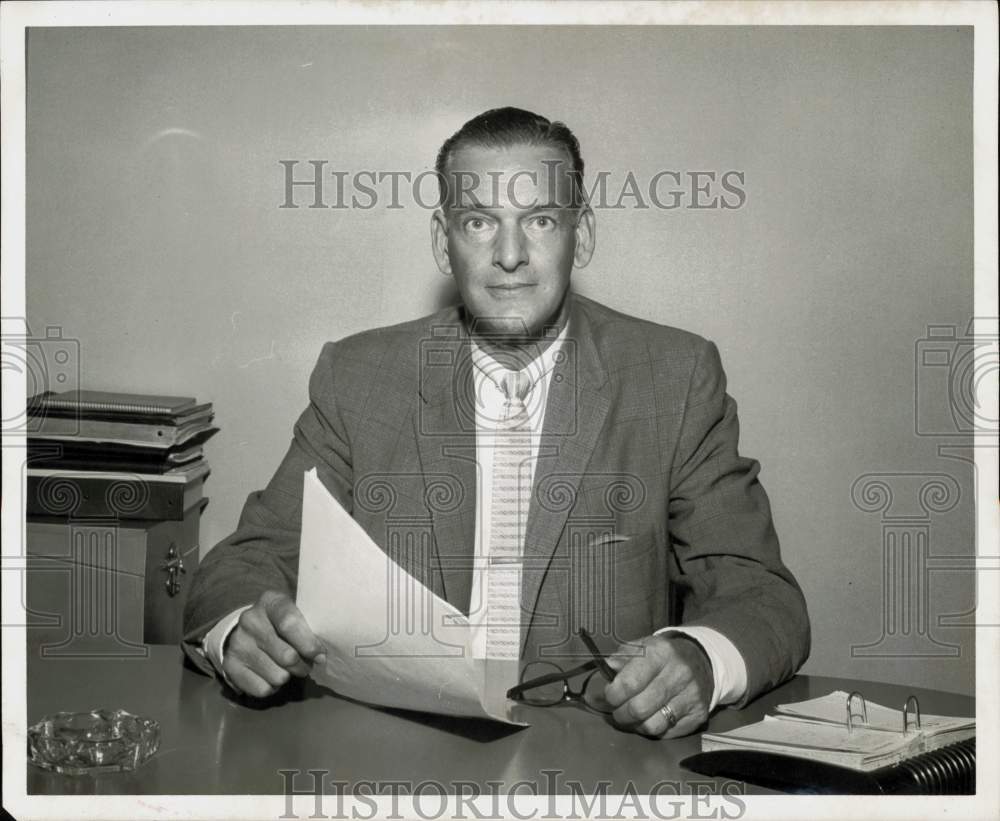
388	639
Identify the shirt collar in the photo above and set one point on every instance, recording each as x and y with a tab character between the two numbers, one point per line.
536	369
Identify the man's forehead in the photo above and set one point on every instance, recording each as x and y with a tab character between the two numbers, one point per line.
509	159
498	171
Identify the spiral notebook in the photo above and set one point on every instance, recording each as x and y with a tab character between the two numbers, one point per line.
83	401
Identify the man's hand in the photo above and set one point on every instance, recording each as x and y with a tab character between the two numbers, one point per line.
673	671
270	643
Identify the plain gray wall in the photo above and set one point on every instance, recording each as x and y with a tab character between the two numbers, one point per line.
155	238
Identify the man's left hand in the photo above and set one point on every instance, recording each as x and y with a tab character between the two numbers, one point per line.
662	671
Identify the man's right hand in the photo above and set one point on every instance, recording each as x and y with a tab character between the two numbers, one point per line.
270	643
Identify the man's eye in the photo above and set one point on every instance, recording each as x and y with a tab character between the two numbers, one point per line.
542	221
475	224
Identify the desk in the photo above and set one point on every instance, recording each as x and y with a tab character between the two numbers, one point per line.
211	744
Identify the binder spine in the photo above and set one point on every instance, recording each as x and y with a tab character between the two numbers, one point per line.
950	770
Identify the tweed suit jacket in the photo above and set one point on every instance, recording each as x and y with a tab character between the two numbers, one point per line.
642	512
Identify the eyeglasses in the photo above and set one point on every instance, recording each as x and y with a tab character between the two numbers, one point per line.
545	684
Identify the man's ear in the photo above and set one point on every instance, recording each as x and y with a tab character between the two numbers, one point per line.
439	242
586	237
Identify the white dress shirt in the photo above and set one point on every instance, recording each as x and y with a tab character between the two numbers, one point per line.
728	667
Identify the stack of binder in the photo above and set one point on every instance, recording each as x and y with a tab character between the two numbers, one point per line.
127	456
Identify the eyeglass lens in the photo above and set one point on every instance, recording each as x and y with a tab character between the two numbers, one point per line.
588	689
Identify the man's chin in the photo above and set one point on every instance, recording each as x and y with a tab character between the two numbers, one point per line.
506	329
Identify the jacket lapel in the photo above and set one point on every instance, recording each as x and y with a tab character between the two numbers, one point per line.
446	440
575	413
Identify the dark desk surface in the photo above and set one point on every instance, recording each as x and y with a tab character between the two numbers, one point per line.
211	744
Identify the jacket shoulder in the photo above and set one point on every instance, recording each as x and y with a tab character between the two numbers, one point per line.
390	349
374	372
399	338
625	339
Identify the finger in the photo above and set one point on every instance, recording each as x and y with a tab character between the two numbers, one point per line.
687	724
643	704
245	680
662	720
682	728
256	625
687	709
631	679
284	655
616	662
291	626
688	713
623	654
244	649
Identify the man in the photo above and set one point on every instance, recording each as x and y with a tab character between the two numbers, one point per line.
594	453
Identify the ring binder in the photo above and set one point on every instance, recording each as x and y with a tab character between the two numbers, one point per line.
811	747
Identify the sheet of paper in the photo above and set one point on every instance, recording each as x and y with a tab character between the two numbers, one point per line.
388	639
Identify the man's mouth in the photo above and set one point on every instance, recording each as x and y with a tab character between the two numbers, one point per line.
511	286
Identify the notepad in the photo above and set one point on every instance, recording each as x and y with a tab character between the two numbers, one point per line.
817	729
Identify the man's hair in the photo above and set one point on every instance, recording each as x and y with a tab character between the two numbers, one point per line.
505	128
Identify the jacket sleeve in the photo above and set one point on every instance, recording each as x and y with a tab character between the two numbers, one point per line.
263	553
731	578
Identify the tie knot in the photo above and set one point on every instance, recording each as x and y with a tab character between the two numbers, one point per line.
515	385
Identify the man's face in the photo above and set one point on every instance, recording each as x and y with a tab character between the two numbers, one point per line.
511	236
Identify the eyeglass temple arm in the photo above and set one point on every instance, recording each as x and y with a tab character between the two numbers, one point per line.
606	669
548	678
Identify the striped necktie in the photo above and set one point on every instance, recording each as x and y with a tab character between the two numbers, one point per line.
508	521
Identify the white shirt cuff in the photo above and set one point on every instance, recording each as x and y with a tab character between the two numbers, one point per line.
215	640
728	667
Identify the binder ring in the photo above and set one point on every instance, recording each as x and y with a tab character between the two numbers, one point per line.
911	700
850	712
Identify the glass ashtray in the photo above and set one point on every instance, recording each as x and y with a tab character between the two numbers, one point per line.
94	742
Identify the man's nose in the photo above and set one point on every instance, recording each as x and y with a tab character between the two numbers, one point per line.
510	252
